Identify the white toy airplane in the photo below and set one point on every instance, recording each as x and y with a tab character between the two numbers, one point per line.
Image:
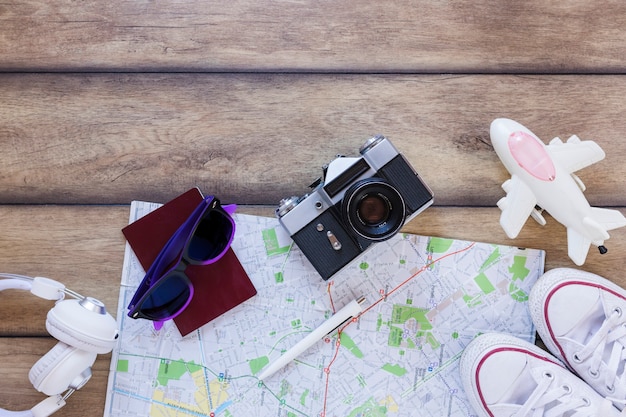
543	175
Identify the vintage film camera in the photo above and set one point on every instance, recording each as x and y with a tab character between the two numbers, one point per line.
359	201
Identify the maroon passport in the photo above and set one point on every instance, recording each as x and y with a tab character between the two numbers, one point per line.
218	287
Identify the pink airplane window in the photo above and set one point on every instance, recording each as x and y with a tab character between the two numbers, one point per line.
532	156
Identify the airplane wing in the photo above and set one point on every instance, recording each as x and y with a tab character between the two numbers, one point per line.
516	206
577	246
575	154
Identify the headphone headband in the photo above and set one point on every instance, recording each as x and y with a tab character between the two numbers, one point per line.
45	288
15	284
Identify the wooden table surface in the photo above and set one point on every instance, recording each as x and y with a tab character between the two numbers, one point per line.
102	103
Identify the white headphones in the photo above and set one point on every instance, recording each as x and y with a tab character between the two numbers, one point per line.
83	328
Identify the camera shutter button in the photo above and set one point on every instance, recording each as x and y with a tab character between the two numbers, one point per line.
286	205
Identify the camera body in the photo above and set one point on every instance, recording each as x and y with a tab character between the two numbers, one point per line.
359	201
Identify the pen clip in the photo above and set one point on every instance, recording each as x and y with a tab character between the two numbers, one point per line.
359	301
340	324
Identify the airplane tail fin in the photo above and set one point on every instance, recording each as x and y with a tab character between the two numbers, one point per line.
597	225
609	219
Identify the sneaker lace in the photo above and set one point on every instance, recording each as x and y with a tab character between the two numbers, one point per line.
550	399
612	334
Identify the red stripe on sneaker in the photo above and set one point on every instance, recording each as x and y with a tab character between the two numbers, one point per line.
501	349
549	296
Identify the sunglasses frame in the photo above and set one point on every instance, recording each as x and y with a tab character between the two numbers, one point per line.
175	255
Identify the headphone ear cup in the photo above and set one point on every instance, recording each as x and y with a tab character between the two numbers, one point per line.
78	326
57	369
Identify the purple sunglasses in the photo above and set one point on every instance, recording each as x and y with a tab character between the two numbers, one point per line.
203	239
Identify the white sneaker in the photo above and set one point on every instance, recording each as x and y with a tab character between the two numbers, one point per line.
504	376
581	318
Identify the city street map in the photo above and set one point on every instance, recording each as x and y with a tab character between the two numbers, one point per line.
426	298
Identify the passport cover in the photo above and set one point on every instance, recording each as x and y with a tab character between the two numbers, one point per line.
218	287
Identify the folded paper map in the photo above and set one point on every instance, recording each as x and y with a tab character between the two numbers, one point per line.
426	298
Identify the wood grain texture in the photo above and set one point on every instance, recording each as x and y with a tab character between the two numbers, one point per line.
80	246
254	139
312	35
102	103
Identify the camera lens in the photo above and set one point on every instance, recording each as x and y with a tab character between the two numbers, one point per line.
374	209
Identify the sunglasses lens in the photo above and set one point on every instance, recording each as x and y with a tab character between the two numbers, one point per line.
211	238
167	298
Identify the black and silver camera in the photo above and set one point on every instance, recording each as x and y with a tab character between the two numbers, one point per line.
358	201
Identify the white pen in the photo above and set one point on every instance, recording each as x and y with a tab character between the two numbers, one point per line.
352	309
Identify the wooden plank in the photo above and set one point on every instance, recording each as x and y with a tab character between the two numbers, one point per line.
82	246
312	35
89	143
257	138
